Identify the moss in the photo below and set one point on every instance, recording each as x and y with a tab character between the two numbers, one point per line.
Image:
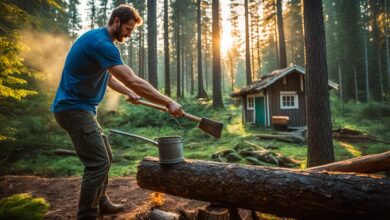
22	206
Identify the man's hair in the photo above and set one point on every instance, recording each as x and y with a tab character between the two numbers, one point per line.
125	13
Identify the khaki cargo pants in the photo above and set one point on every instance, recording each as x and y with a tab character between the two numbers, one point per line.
94	152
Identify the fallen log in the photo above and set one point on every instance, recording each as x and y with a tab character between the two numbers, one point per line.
64	152
367	164
284	192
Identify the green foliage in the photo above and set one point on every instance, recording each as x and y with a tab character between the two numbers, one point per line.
23	207
375	110
48	165
12	69
373	117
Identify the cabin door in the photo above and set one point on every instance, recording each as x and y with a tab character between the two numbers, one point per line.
260	111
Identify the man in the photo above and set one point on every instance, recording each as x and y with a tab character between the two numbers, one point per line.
92	63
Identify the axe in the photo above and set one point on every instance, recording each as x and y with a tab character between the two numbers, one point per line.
209	126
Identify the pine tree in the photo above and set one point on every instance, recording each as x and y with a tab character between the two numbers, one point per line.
74	17
247	46
319	126
101	18
152	43
217	93
201	92
92	10
166	50
282	43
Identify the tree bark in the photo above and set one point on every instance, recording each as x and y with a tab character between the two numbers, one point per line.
282	43
178	58
217	93
247	46
319	125
366	164
166	51
152	42
201	92
284	192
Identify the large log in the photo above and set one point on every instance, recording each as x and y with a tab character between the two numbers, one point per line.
280	191
367	164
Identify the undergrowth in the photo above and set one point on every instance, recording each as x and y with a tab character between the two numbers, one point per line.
22	207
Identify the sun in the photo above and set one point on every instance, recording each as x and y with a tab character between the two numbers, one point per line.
226	37
226	43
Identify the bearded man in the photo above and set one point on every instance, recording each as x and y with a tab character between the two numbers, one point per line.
93	62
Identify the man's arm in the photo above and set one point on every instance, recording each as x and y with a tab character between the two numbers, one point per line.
126	76
119	87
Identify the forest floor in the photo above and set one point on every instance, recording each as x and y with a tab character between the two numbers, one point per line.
62	195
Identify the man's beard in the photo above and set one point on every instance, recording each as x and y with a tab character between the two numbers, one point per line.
118	35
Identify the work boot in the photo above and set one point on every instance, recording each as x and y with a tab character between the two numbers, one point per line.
107	207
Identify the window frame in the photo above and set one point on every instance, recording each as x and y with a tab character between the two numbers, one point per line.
293	94
247	102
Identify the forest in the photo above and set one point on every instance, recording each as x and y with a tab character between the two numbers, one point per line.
217	59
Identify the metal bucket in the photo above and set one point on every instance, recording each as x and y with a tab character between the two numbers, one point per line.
170	149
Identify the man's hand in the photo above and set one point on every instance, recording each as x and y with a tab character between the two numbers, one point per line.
175	109
133	98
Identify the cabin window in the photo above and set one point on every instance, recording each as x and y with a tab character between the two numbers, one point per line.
288	100
250	102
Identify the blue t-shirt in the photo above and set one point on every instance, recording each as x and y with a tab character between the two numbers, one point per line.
85	76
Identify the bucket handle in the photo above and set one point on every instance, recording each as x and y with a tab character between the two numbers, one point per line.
178	123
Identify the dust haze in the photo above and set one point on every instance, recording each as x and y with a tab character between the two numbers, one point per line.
47	53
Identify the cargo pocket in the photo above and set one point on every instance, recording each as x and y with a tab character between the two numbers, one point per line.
92	136
93	147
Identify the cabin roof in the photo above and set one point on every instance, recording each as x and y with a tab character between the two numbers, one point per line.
271	78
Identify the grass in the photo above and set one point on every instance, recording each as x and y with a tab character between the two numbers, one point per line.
23	207
128	152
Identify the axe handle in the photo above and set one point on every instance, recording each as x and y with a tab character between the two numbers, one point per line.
162	108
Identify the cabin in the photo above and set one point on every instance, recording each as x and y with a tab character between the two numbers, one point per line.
277	98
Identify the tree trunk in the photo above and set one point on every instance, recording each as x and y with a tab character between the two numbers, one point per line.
201	92
366	164
247	46
166	51
387	46
178	64
282	43
366	67
141	57
284	192
382	95
183	70
356	85
152	43
130	56
217	93
192	73
258	51
319	126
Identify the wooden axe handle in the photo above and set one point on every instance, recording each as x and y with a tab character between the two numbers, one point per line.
158	107
162	108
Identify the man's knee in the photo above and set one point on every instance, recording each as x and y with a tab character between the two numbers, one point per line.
94	176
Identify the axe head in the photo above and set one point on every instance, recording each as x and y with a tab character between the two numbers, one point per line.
211	127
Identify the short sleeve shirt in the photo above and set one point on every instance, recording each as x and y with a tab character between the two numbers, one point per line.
84	77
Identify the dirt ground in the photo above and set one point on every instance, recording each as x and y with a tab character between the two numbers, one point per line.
62	194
